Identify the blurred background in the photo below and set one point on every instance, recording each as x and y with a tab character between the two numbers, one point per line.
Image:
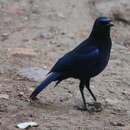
33	35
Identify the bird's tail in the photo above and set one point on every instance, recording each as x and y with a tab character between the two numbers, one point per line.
51	77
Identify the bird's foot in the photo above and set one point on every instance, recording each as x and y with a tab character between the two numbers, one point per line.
33	98
81	108
91	107
94	107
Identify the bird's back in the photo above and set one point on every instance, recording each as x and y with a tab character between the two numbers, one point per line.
86	60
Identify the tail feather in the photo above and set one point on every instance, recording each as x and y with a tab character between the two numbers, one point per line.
52	77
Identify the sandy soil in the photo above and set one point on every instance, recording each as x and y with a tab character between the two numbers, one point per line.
35	34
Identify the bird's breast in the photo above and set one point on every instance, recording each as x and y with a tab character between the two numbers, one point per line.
88	71
99	66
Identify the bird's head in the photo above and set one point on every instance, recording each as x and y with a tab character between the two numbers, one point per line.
102	27
103	22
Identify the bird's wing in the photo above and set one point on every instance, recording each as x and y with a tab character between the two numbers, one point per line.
88	58
73	61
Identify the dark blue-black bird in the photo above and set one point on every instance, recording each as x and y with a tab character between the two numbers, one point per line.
85	61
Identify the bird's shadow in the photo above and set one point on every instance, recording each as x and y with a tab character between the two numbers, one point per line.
49	106
52	106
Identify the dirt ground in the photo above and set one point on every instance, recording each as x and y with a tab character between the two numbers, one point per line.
35	33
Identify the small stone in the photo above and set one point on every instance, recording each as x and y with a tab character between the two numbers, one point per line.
25	40
30	115
61	15
63	33
26	18
58	45
124	92
45	67
69	92
22	52
26	125
53	42
4	96
61	100
45	35
117	123
4	36
21	94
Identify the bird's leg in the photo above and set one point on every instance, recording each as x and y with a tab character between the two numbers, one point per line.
81	87
88	87
57	83
96	106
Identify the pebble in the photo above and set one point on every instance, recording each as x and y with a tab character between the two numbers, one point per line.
4	36
21	94
117	123
4	96
22	52
61	15
45	35
26	125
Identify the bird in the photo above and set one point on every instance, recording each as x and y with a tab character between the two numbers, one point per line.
84	62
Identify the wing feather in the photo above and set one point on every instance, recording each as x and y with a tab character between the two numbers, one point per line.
73	61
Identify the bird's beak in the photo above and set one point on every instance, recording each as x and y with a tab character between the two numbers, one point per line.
110	24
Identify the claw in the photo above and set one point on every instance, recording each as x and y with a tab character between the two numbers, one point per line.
91	107
33	98
81	108
94	107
